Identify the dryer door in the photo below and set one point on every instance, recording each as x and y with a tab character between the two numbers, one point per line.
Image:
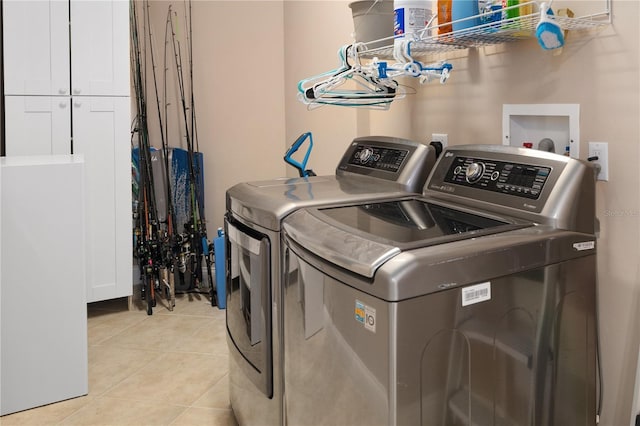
249	300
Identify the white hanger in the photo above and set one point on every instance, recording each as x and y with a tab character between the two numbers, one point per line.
371	91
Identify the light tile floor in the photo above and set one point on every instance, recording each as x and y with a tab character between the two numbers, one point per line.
169	368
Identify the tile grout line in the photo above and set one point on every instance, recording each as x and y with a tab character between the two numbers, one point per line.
159	353
205	392
211	322
124	329
97	397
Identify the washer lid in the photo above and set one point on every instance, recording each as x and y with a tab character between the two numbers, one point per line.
362	237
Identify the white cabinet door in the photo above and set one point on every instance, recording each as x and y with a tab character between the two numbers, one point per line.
37	125
100	48
43	314
101	134
36	47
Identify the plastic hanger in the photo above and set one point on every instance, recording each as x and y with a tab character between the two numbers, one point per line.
370	90
406	65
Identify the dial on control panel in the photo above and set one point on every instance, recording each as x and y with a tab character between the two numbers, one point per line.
474	172
365	154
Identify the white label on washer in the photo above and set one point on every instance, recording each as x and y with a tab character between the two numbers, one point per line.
370	318
587	245
476	293
365	315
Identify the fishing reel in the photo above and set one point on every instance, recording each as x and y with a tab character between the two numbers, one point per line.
142	251
182	241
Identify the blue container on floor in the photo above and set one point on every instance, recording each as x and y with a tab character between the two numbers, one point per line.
219	253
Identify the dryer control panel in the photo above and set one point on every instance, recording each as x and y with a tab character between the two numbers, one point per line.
522	180
377	157
402	161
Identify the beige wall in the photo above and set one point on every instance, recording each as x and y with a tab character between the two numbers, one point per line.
238	74
315	30
250	55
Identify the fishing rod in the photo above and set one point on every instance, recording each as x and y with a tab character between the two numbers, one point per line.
181	241
190	226
184	239
149	247
194	133
195	227
168	238
192	100
208	249
142	252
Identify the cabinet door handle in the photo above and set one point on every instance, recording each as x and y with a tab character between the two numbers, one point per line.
77	104
63	105
76	91
62	91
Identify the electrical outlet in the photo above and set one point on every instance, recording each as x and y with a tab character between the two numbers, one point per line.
600	150
443	138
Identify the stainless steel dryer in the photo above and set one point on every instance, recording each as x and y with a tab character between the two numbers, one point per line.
474	304
371	168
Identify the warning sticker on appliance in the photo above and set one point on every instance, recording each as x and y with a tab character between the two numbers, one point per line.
587	245
476	293
365	315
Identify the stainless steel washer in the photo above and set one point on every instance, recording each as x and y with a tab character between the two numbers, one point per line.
371	168
474	304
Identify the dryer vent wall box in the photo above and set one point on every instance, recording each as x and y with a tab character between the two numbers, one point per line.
526	125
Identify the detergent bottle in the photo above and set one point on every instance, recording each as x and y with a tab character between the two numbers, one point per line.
410	18
444	16
462	9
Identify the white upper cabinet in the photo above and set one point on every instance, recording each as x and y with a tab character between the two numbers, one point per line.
57	47
100	48
36	47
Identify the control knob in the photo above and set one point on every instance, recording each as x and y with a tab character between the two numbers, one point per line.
366	154
474	172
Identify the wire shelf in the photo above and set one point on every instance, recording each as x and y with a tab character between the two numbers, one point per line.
487	34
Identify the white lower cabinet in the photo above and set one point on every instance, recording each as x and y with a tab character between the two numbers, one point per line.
101	134
99	128
43	311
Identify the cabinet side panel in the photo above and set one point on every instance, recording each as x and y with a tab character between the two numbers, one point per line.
44	314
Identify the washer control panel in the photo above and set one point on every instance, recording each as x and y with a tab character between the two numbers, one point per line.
522	180
379	158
